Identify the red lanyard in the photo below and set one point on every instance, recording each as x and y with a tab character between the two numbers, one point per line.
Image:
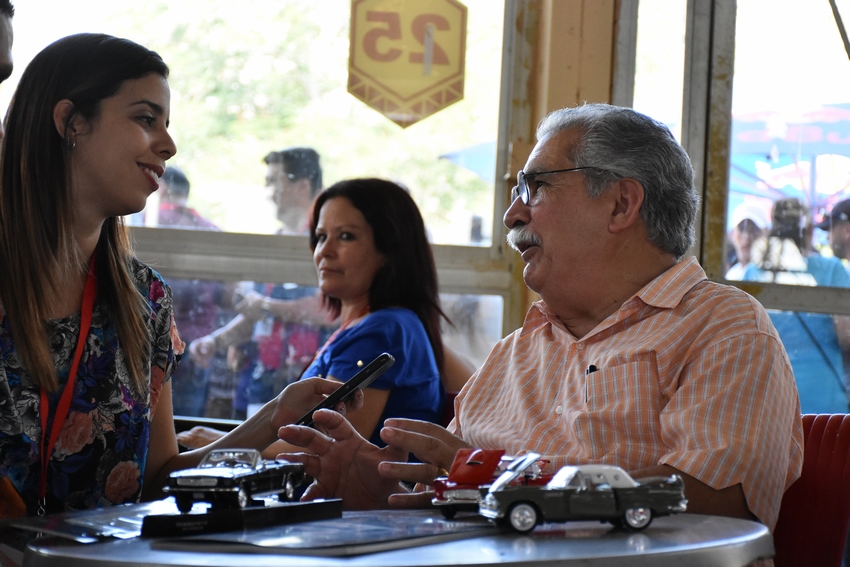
64	405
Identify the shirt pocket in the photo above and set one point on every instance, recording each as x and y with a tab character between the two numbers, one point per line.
623	403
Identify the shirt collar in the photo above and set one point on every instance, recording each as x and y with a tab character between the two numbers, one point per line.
666	291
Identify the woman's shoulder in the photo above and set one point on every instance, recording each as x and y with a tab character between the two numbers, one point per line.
392	315
148	281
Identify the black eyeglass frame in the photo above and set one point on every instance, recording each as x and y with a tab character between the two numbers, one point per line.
522	190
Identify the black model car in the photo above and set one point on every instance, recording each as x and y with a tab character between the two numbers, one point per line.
230	478
585	492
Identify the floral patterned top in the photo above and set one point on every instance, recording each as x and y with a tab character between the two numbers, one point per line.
99	457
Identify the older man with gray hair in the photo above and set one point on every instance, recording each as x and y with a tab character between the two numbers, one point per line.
631	358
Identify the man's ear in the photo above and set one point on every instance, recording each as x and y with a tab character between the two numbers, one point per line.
63	109
628	201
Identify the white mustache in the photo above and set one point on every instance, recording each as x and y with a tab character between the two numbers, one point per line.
522	236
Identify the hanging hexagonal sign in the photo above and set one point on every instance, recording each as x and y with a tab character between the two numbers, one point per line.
406	58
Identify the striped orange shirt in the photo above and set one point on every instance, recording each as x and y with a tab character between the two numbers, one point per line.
687	373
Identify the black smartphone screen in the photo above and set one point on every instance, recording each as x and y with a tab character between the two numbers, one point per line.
360	380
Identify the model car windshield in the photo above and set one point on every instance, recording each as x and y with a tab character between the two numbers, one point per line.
231	458
515	469
565	477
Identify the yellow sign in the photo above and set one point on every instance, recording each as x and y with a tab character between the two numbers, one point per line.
406	58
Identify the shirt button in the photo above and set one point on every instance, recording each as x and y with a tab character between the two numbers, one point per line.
559	410
580	346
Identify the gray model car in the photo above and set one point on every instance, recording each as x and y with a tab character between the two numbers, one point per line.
231	478
585	492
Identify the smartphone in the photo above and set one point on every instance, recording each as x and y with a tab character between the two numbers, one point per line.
360	380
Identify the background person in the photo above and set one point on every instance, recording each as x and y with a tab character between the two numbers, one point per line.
295	177
837	225
377	275
814	341
174	209
87	339
267	345
7	11
198	305
749	224
632	357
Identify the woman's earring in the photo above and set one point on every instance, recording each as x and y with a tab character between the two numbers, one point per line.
71	142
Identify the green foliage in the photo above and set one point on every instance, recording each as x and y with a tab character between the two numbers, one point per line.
253	76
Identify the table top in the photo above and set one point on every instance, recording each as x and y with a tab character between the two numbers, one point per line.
683	539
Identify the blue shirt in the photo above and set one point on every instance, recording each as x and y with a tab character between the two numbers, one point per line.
413	381
811	342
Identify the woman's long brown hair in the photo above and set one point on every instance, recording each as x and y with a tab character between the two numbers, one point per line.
38	250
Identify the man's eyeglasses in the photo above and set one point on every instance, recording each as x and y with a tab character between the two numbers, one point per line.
524	182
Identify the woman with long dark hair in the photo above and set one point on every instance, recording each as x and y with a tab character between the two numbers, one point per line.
377	274
87	338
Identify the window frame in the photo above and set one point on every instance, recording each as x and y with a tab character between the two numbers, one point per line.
494	270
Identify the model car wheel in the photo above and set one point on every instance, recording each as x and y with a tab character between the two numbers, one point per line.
243	497
637	518
522	517
448	512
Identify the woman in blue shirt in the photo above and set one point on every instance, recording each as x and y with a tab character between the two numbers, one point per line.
377	274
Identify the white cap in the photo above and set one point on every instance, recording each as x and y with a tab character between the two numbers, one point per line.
750	211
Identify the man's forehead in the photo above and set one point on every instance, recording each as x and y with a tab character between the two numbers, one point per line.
551	151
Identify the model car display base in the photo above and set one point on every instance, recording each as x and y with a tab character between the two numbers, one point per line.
356	533
224	520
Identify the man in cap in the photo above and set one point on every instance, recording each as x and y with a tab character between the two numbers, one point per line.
749	223
837	224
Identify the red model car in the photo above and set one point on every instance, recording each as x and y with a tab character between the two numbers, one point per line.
473	469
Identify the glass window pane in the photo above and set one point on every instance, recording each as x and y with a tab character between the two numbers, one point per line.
255	358
273	75
790	153
250	365
660	61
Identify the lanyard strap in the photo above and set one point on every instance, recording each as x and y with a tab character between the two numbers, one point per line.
49	442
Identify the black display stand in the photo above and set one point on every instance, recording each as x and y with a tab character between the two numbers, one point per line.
239	519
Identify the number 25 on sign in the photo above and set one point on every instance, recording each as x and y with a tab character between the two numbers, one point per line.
406	58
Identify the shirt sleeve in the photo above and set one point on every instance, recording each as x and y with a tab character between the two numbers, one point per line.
379	333
730	417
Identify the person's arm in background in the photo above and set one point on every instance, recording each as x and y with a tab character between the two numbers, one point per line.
306	309
238	330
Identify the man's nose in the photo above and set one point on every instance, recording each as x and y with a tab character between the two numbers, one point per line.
517	214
